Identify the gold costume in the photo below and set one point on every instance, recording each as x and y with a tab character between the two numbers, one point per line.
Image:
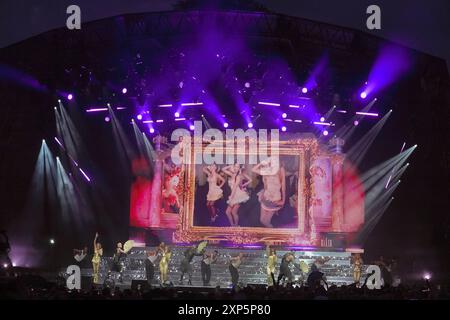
164	265
96	263
357	264
271	263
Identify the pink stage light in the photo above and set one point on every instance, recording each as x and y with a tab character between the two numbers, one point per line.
107	119
304	90
322	119
269	104
325	132
322	123
370	114
250	125
356	122
124	90
97	109
187	104
85	175
363	95
70	96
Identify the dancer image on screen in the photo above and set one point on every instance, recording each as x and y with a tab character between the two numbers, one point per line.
166	255
215	183
80	254
237	181
118	260
96	259
271	263
150	266
273	196
285	270
171	201
357	266
235	263
186	265
208	259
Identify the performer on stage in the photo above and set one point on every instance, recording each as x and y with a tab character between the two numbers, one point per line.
96	259
273	196
215	182
118	258
237	181
285	271
166	254
186	266
357	266
208	259
271	263
235	263
150	266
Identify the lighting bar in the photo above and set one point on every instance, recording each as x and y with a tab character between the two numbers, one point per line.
298	121
180	119
160	120
85	175
169	105
322	123
269	103
294	106
97	109
290	120
120	108
192	104
367	114
341	111
147	121
59	142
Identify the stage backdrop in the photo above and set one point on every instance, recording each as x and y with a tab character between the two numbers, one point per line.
306	196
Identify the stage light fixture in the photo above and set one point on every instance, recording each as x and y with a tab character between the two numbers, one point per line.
107	119
283	128
191	127
51	241
304	90
363	95
250	125
225	125
70	96
124	90
284	115
322	119
152	130
139	117
356	122
325	132
177	114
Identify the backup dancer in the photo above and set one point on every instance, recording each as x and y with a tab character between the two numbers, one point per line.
237	181
118	258
166	255
235	263
215	182
186	266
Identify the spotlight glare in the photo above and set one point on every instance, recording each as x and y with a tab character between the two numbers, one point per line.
356	122
322	119
363	95
107	119
139	117
304	90
70	96
52	241
250	125
284	115
124	90
191	127
5	265
325	132
427	276
283	128
152	130
225	125
247	84
177	114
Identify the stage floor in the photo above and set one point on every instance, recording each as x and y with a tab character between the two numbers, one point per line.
337	269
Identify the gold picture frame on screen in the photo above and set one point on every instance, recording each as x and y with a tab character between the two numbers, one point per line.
186	232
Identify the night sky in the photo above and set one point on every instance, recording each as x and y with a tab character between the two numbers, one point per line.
419	24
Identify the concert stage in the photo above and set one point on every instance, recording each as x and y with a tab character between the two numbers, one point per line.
338	269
